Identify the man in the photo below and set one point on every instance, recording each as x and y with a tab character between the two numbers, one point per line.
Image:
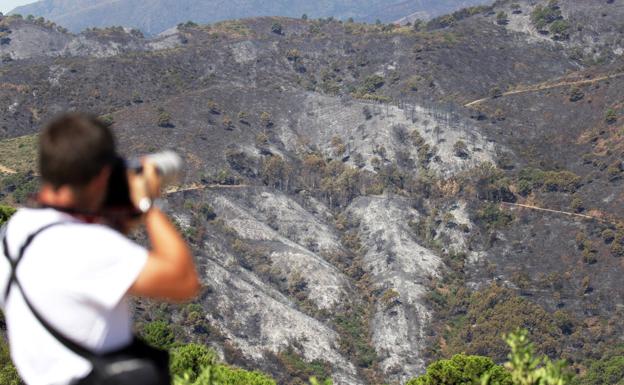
78	274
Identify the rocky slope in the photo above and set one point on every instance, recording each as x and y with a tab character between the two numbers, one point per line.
350	188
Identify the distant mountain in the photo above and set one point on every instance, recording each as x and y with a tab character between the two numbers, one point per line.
155	16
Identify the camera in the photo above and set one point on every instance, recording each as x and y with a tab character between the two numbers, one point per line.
118	203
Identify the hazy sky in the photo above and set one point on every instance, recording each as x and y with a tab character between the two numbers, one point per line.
8	5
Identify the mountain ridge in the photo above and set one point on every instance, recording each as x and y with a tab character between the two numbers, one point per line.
156	16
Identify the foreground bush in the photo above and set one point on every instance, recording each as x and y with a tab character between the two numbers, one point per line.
8	373
190	360
523	368
526	368
5	213
463	369
224	375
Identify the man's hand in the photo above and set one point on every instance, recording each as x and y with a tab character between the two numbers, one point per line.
144	185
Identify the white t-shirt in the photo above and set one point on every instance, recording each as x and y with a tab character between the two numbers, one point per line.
76	275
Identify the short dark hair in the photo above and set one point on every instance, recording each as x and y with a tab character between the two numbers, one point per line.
73	149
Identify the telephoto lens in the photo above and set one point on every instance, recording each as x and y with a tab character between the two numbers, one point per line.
168	165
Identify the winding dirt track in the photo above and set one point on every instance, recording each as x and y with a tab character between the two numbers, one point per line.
547	86
583	216
195	187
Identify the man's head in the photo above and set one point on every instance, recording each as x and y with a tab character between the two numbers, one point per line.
75	154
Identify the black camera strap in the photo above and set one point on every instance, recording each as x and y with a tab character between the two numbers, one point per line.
69	344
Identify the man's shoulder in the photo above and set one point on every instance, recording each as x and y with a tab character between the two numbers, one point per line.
62	226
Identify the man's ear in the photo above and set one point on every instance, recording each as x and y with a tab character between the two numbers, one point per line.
101	180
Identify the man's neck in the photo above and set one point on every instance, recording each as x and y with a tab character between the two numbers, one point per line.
62	197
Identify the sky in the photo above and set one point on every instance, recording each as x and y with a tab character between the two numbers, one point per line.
8	5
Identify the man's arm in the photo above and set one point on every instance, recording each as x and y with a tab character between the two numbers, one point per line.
169	272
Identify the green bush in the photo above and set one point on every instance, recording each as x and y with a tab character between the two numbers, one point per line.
5	213
373	83
22	185
462	370
225	375
542	16
532	178
296	366
560	28
107	120
164	119
493	217
527	369
608	370
158	334
477	322
611	116
190	360
8	373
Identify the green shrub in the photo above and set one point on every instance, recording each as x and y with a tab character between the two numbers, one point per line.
225	375
442	22
560	29
493	217
564	181
164	119
608	370
462	369
478	321
314	381
158	334
542	16
297	367
617	250
8	373
22	185
107	120
373	83
577	205
243	117
533	178
5	213
527	369
354	332
190	360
